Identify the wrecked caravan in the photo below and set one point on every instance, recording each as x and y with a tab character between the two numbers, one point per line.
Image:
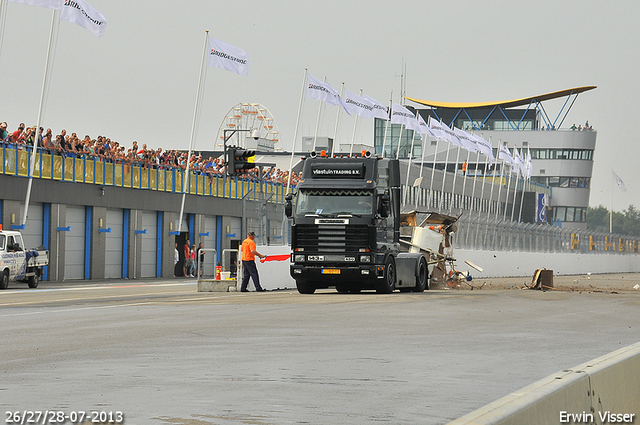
430	233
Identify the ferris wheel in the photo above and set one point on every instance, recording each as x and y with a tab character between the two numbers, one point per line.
250	116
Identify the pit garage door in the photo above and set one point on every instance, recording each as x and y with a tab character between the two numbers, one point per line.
74	243
149	243
114	241
33	230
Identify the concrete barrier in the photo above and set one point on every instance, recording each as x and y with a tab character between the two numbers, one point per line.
212	285
514	263
604	390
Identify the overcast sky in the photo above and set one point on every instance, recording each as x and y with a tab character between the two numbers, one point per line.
139	81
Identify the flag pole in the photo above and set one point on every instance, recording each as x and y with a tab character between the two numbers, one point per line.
45	88
611	205
295	132
506	199
3	16
335	131
406	185
386	126
353	136
455	174
433	172
194	124
524	182
315	136
515	189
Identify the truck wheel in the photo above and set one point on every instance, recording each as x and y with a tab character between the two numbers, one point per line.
343	289
33	281
387	284
305	287
4	280
423	276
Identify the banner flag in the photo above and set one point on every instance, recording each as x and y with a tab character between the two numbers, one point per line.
519	162
79	12
505	155
226	56
425	130
443	132
401	115
619	182
467	142
51	4
484	147
316	89
379	110
358	105
528	166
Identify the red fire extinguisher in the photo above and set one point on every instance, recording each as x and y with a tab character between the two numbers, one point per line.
218	270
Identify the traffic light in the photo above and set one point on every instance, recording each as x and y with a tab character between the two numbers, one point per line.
239	160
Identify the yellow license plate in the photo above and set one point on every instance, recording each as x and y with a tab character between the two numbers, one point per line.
330	271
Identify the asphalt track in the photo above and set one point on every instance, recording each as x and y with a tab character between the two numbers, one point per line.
162	353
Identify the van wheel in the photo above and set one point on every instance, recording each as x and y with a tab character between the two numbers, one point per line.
423	276
387	284
4	280
33	281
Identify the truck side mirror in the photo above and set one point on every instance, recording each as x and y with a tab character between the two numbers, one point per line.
384	205
288	205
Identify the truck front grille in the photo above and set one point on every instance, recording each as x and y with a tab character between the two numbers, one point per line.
331	238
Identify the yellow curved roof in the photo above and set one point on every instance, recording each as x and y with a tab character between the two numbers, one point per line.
505	103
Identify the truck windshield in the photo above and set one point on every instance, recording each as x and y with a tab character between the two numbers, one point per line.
2	242
334	202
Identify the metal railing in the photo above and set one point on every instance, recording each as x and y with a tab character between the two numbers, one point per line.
491	234
16	161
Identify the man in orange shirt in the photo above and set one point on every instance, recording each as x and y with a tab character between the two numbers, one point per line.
249	253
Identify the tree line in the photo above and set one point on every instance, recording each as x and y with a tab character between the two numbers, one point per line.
626	222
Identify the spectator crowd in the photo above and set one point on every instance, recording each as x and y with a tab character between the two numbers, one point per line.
108	150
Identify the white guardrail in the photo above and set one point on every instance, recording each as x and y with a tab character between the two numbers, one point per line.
604	390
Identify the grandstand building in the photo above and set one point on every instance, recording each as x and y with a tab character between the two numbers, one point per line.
561	155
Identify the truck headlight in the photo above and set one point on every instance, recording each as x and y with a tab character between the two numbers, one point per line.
365	259
298	258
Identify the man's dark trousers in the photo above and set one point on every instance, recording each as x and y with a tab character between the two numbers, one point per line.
250	270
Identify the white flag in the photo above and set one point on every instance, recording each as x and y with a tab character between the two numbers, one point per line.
81	13
528	166
425	130
443	132
401	115
519	162
505	155
316	89
484	147
226	56
358	105
379	110
51	4
468	142
619	182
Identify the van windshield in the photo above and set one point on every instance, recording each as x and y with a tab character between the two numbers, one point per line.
3	240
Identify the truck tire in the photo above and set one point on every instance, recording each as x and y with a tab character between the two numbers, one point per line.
33	281
387	284
4	280
422	278
305	287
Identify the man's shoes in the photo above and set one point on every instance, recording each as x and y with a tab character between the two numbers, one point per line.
261	290
244	290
